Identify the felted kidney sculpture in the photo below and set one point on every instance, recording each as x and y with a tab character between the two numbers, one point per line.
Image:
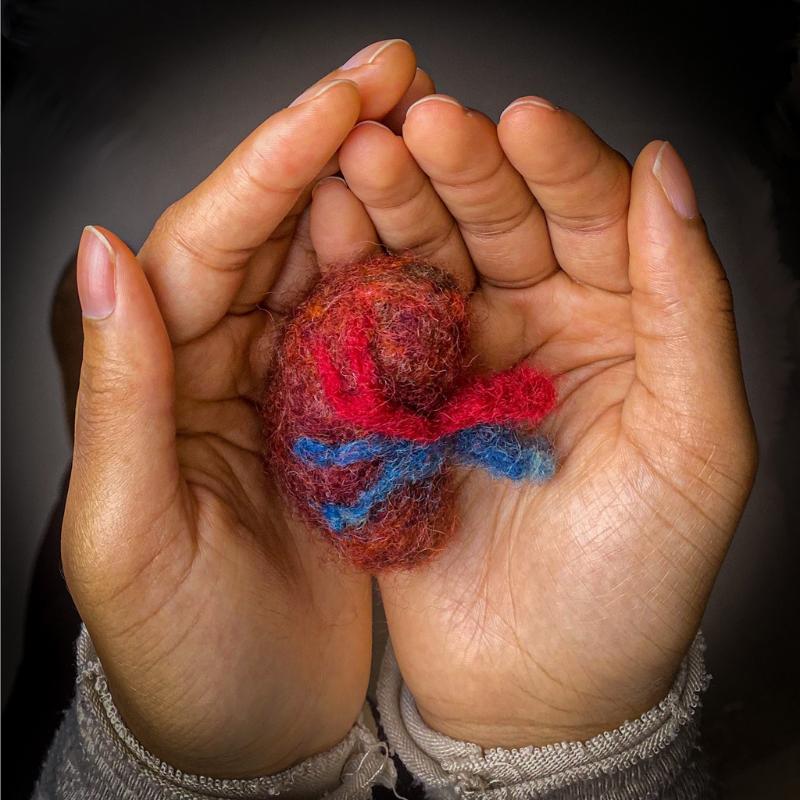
370	407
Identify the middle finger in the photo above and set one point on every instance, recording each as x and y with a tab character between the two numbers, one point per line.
405	209
501	223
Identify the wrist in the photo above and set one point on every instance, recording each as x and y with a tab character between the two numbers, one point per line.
654	754
157	741
223	748
215	732
97	753
515	711
539	731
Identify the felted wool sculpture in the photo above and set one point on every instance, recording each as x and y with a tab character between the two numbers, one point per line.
369	408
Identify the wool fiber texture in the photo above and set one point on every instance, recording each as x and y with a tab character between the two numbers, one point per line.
370	405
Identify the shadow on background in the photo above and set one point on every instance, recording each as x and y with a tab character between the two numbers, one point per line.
112	113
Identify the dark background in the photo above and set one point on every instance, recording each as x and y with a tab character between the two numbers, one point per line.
114	110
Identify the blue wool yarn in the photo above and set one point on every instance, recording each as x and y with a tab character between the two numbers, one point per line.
503	452
406	462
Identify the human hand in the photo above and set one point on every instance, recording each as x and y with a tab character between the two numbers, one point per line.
232	645
562	610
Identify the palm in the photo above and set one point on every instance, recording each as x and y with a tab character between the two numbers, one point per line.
491	596
561	610
564	586
242	598
250	565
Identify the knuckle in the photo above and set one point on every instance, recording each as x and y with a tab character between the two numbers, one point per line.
107	374
252	171
592	222
184	233
105	402
500	226
723	295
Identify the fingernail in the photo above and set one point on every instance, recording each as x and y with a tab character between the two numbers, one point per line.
96	274
329	179
675	181
530	101
369	54
442	98
315	91
371	122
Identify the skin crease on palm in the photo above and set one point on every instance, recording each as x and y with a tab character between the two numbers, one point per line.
563	610
234	644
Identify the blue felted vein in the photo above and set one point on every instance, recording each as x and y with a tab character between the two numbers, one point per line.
501	451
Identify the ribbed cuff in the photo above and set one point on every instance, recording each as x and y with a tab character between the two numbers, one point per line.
655	756
95	756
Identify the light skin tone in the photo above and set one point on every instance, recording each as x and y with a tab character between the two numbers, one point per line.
234	646
563	610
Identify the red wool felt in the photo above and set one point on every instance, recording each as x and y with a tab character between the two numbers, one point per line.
380	347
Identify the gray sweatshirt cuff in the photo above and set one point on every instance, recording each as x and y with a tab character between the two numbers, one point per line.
96	757
655	756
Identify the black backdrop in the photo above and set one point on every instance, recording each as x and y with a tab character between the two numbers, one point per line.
713	76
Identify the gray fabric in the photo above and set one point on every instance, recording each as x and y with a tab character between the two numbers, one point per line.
95	757
655	756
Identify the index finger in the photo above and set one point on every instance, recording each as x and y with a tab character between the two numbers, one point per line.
200	249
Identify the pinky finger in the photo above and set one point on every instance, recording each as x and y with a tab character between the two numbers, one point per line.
341	229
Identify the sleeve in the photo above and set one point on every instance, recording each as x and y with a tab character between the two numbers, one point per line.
94	756
655	757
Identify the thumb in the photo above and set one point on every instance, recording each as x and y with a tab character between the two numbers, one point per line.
687	353
125	479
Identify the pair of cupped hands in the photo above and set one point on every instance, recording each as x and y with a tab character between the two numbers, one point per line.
234	643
